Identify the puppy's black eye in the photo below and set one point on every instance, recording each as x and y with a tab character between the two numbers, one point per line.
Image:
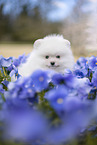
46	56
58	56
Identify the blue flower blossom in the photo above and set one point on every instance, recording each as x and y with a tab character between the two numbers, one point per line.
58	79
82	88
67	79
14	72
56	97
80	73
81	63
92	62
19	60
94	79
81	68
10	64
6	62
24	123
20	89
72	104
40	80
76	117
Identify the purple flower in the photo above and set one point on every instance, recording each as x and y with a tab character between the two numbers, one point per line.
19	60
57	97
6	62
94	78
14	71
67	79
72	104
20	89
70	80
92	62
23	123
11	64
81	63
82	88
80	73
40	80
15	104
58	79
81	68
76	117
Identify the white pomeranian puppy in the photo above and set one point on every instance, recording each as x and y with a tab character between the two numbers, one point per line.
50	53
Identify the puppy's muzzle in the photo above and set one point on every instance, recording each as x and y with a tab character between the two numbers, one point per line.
52	63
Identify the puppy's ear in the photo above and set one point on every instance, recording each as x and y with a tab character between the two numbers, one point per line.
37	43
67	43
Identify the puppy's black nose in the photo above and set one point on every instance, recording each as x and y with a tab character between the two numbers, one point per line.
52	63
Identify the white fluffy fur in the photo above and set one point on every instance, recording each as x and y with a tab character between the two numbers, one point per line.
52	46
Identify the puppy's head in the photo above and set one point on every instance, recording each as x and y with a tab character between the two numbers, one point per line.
54	52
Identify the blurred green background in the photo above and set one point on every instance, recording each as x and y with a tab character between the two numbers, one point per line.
24	21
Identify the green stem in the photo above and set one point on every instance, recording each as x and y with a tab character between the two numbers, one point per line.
4	72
